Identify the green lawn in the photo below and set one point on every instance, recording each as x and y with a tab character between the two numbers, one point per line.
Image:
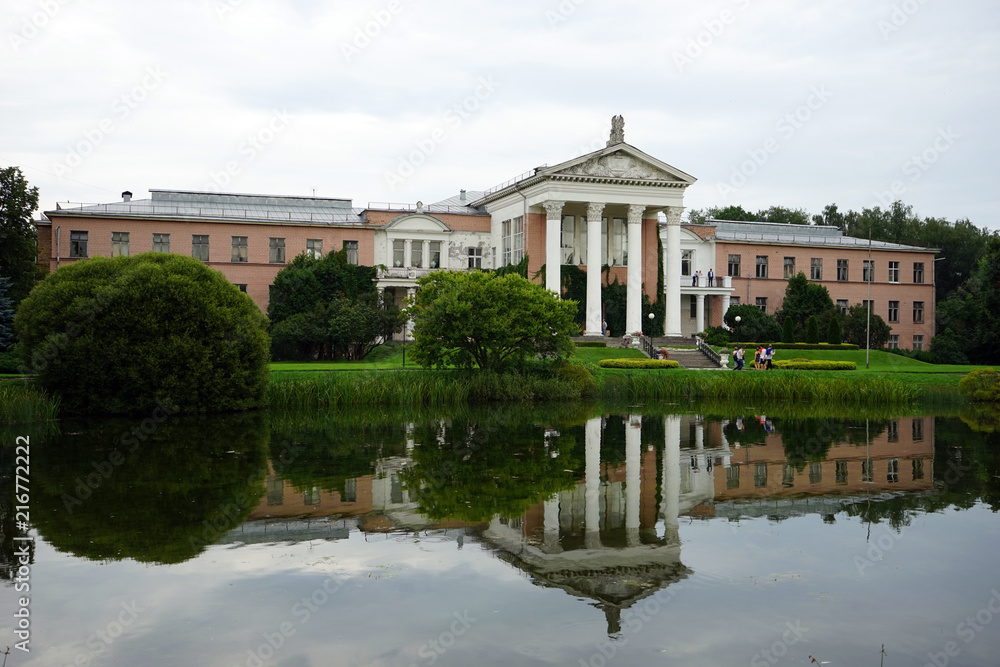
595	354
879	361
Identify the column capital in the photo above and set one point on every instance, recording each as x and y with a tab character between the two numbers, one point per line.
635	213
674	214
553	209
594	210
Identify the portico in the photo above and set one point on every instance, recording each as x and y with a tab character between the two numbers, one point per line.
600	213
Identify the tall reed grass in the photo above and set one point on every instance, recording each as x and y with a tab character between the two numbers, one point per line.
23	403
852	390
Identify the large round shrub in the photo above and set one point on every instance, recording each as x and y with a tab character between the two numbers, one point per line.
124	335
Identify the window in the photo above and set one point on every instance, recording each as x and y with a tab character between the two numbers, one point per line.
866	304
417	254
815	472
435	253
789	267
475	258
734	265
893	341
842	270
892	432
918	272
314	248
918	343
894	311
760	474
119	244
866	471
618	250
398	254
918	312
161	242
762	303
351	247
512	232
686	256
276	251
761	266
275	491
918	430
350	494
311	496
841	472
239	249
892	474
842	305
868	271
734	301
567	242
241	287
694	306
78	244
893	272
733	476
816	268
918	469
199	247
787	475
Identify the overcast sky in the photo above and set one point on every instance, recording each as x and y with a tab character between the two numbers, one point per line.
777	102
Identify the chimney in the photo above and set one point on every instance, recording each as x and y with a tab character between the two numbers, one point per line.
126	196
461	196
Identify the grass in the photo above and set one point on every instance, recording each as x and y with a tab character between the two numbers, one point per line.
592	355
23	403
879	361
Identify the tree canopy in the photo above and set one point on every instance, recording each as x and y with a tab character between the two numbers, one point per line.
973	311
491	322
755	326
856	326
804	299
130	334
18	237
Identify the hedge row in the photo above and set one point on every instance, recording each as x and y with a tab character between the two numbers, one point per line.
800	346
592	343
638	363
814	365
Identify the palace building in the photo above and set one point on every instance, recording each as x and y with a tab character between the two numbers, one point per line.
612	208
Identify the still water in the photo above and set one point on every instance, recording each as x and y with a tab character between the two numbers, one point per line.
581	535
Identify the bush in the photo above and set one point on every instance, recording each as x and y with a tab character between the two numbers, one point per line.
947	348
981	385
812	330
788	330
133	334
833	333
638	363
578	374
814	365
717	339
10	360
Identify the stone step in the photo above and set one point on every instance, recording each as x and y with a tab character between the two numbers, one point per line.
692	359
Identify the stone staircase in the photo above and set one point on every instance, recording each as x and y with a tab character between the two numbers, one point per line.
692	359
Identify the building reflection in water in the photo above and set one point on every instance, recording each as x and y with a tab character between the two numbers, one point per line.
612	538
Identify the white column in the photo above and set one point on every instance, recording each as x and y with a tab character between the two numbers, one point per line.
633	479
592	490
553	252
550	522
699	443
594	314
633	304
671	475
672	271
699	320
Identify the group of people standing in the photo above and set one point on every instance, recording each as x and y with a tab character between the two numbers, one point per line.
761	359
696	278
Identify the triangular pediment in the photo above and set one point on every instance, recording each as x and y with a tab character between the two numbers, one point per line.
620	161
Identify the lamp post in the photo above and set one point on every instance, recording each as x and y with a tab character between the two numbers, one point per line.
736	329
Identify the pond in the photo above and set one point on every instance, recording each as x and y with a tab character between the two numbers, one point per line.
571	535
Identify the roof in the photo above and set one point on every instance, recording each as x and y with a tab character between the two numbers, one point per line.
806	235
224	207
